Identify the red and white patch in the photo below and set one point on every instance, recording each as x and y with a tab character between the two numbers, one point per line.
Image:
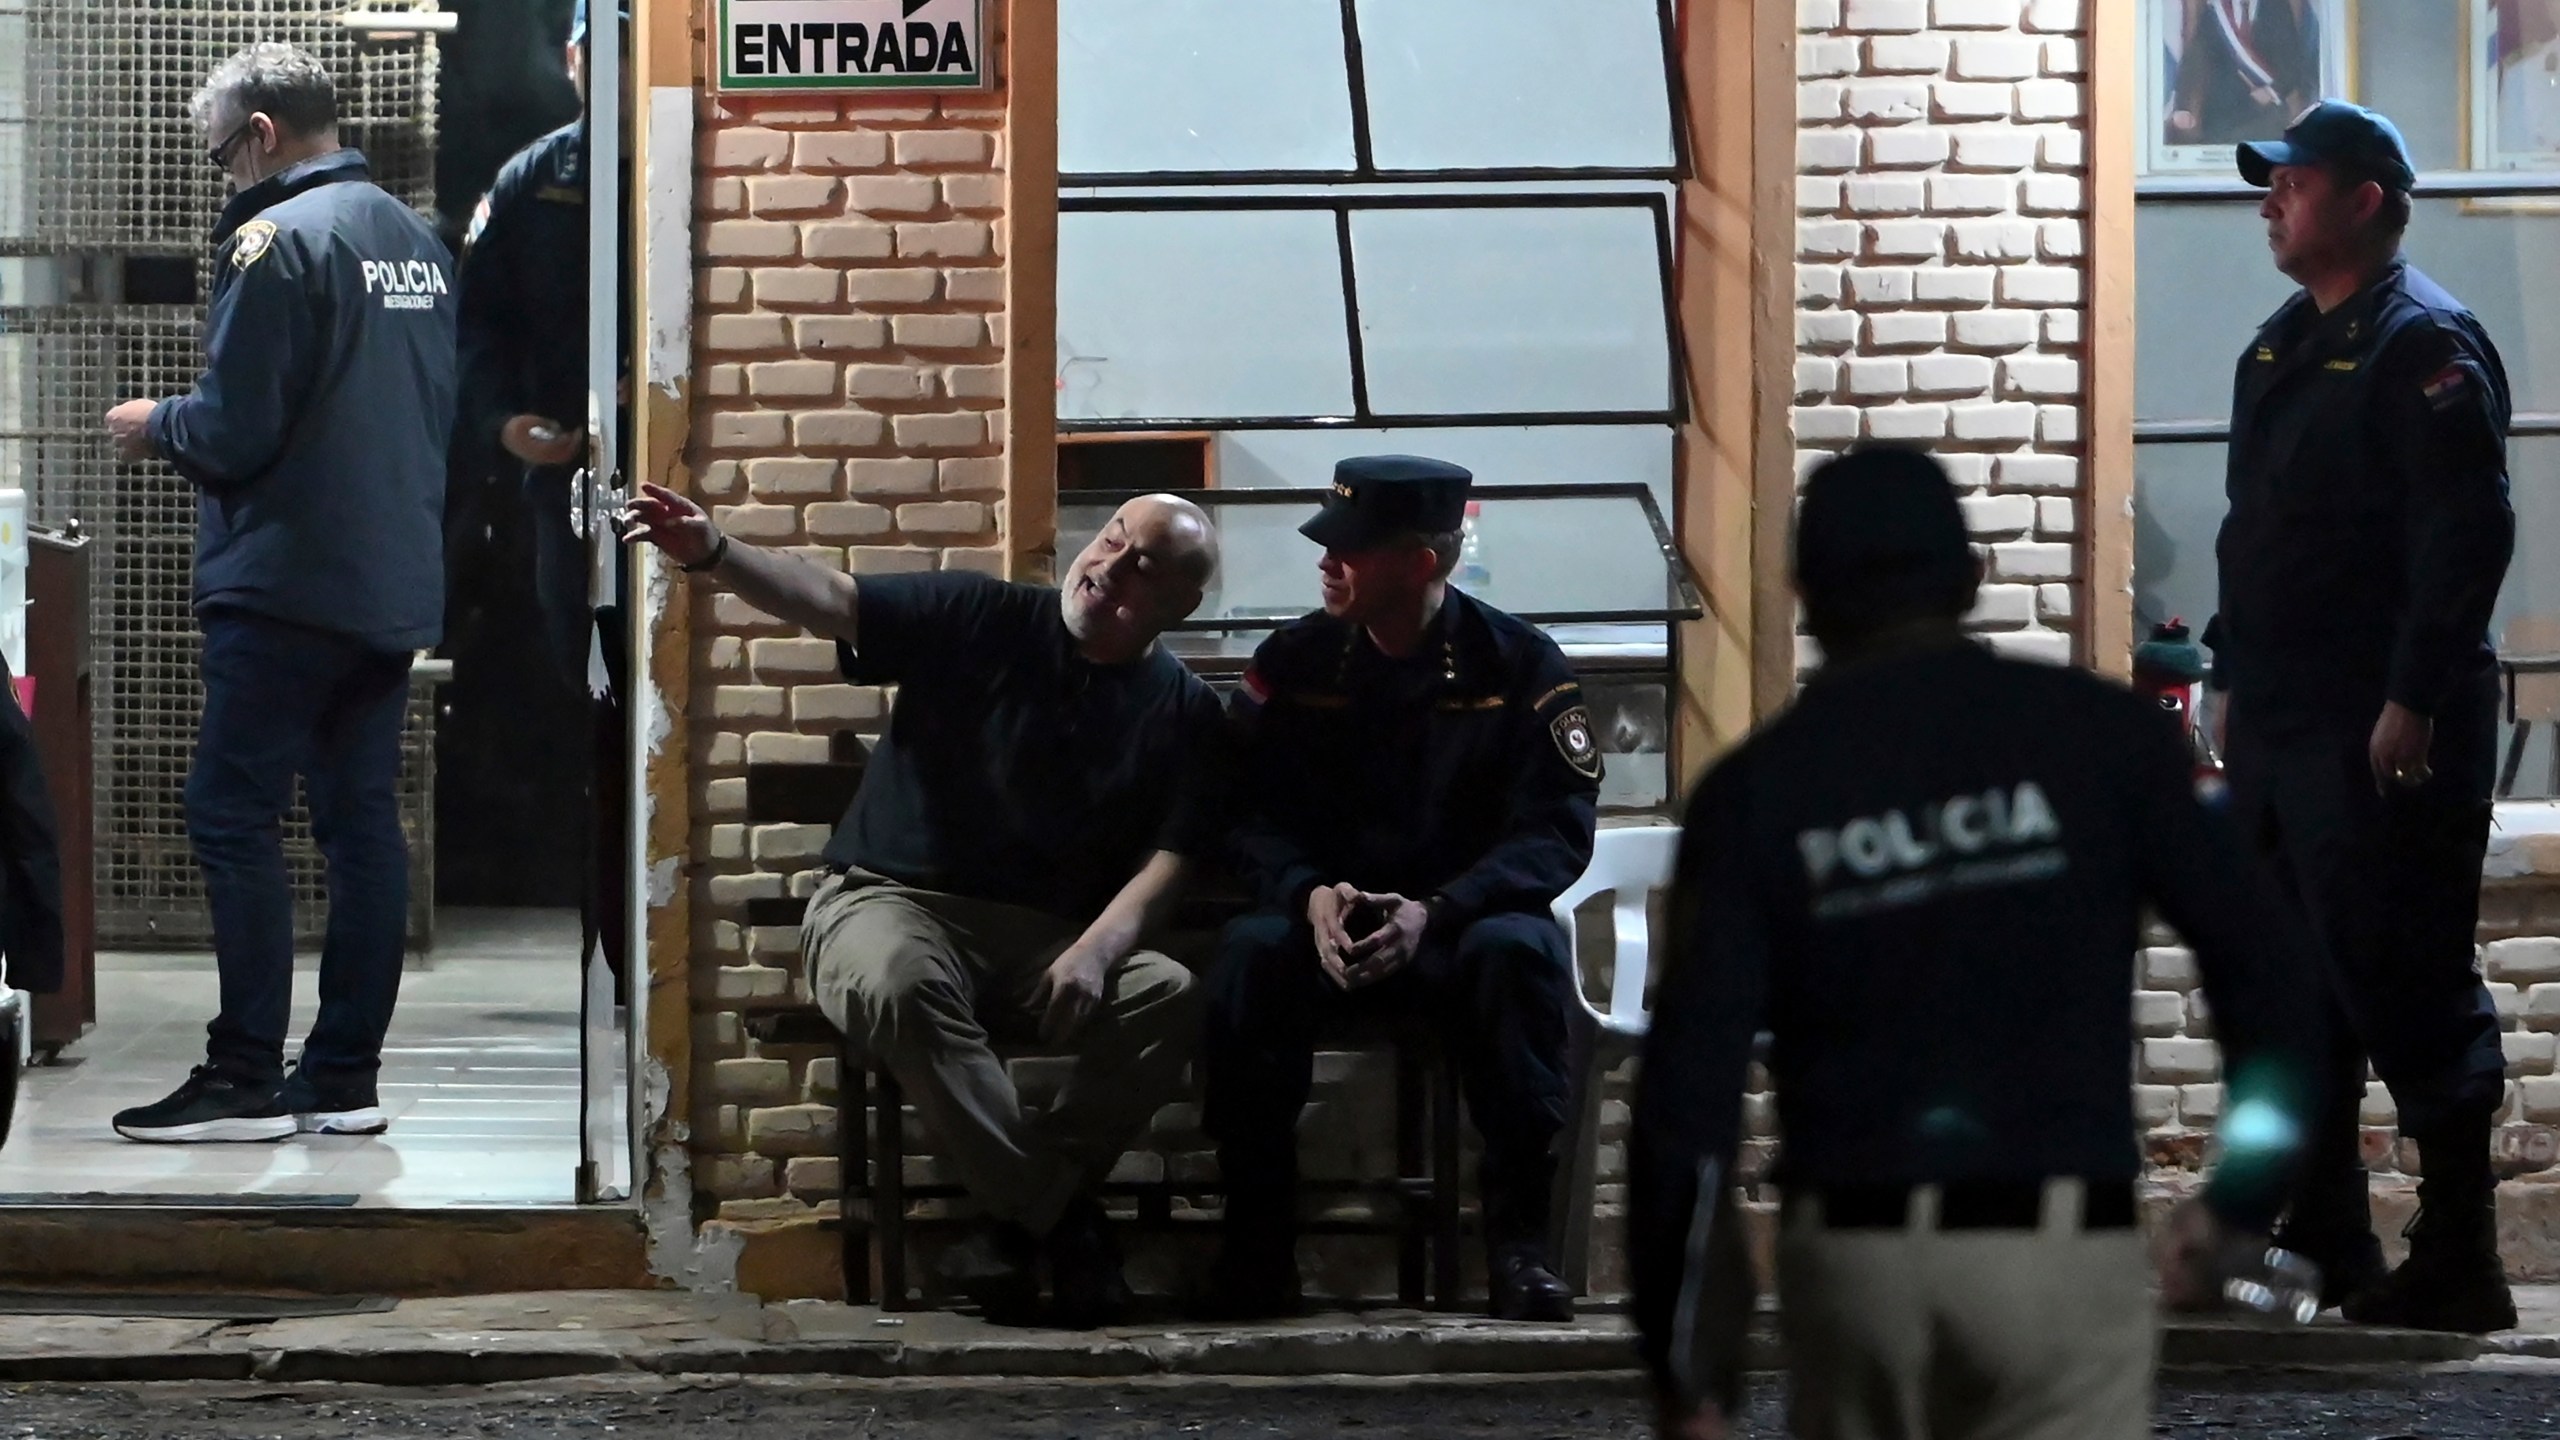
1253	688
2446	386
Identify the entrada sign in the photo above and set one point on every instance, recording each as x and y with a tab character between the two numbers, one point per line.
853	44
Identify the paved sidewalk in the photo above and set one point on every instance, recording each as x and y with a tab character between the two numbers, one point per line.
543	1335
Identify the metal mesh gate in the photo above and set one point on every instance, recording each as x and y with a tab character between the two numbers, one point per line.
101	168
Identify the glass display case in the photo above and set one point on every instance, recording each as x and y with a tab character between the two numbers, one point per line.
1592	564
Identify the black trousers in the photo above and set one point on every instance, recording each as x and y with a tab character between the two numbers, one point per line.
1499	995
2390	888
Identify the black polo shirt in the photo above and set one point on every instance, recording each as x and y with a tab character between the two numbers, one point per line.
1014	769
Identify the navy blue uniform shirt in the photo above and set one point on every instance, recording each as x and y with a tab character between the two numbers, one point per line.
1467	771
2369	527
524	291
316	435
1016	770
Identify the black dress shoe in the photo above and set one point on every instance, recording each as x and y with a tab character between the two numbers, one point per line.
1251	1281
1524	1288
997	1269
1087	1287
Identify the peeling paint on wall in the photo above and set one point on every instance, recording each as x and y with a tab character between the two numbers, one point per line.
670	240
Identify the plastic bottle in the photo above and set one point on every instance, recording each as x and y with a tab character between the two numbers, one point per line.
1472	574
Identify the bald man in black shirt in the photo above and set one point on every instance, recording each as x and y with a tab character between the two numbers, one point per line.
1049	773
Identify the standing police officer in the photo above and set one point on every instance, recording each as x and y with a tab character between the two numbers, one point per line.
523	337
2368	534
1926	880
315	439
1421	783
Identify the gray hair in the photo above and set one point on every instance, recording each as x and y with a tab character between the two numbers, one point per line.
286	83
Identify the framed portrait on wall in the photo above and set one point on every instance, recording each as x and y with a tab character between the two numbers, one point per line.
2513	87
2219	72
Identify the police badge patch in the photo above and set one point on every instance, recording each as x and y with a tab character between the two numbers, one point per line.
1572	732
254	240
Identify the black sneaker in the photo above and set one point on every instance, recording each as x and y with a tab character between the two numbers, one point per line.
211	1106
332	1105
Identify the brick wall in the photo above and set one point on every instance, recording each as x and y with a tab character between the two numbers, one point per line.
1940	290
850	333
2179	1072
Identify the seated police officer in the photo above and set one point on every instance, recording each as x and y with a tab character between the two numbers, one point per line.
1926	880
1418	783
1047	776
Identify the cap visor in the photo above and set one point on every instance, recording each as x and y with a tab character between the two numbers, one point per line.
1335	527
2259	159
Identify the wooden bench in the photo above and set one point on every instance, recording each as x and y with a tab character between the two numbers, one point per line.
1421	1202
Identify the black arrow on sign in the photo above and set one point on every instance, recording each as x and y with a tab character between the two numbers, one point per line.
915	5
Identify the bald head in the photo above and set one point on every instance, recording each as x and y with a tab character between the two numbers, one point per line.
1144	573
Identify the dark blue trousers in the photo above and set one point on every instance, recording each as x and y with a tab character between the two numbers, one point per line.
280	701
2390	888
1498	996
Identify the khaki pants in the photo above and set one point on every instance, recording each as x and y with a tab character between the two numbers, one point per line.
1928	1334
920	981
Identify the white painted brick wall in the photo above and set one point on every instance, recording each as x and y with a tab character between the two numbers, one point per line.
1941	208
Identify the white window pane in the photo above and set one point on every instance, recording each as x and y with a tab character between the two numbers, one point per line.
2207	284
1490	310
1484	84
1202	85
1181	314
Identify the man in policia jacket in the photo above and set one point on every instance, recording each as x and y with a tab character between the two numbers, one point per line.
315	439
1926	880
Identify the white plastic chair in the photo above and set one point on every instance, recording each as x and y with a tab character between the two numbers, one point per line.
1628	864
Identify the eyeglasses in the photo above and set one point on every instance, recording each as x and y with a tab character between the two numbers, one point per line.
220	154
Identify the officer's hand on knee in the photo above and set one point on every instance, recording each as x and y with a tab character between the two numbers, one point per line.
1390	947
1328	906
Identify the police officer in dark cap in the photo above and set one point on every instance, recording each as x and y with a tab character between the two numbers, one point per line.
1420	783
523	348
2368	534
1927	881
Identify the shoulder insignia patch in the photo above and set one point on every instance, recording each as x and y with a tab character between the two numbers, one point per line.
2265	354
479	222
2447	386
253	240
1574	741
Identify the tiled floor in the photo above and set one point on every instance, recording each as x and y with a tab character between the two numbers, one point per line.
480	1076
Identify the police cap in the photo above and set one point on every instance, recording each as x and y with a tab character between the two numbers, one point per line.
1377	498
1881	526
2348	138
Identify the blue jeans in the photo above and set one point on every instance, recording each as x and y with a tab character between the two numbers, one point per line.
279	701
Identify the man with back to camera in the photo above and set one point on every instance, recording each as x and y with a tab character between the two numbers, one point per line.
2368	534
1927	881
1049	775
315	439
1419	782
